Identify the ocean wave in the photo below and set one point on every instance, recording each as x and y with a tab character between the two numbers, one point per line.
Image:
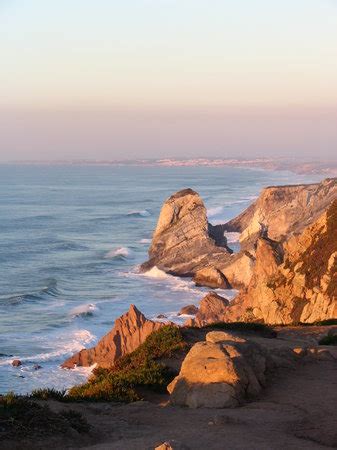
232	237
213	212
156	273
120	252
50	289
145	241
84	310
63	345
142	213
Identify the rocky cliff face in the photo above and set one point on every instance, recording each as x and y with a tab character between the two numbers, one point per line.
130	330
184	243
287	266
281	210
293	282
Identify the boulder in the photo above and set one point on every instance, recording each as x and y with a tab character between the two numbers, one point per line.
211	309
211	277
219	374
189	309
16	363
129	331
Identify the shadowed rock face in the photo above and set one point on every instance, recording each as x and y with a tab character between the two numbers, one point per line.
130	330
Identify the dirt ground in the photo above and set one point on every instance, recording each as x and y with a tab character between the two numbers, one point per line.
297	410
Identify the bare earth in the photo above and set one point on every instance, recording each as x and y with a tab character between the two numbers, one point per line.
297	410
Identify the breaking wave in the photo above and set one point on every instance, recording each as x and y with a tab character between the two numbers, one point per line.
120	252
50	289
142	213
85	310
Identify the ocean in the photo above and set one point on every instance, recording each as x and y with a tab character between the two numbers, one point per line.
71	240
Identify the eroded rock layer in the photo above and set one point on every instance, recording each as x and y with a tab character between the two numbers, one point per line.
129	331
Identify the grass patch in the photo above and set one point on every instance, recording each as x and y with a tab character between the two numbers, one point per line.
21	417
48	393
328	340
139	369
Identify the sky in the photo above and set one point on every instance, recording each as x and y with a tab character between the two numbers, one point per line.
106	79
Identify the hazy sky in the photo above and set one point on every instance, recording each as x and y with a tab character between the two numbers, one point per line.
147	78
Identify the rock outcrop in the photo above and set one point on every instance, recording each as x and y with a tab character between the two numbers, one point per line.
129	331
189	309
185	244
294	282
281	210
219	373
211	277
182	242
211	307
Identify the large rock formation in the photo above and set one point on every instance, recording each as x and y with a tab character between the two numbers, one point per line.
281	210
130	330
184	243
219	373
294	282
286	269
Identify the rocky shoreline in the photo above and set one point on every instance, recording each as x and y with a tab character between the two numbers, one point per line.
228	352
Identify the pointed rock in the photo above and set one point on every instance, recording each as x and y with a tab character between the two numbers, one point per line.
129	331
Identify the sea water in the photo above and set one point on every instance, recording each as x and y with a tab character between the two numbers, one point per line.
71	241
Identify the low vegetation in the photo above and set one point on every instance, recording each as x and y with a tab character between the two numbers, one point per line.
142	368
21	417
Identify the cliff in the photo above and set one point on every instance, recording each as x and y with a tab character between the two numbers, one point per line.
286	268
294	282
185	244
281	210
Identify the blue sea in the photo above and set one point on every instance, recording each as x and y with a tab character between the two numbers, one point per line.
71	240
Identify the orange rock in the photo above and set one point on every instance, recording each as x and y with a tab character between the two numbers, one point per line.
129	331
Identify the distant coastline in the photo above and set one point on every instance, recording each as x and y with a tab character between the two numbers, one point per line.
326	168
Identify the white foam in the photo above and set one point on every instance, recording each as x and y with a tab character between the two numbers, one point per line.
142	213
232	237
63	345
212	212
156	273
145	241
123	252
83	310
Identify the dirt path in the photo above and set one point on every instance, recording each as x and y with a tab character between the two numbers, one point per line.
298	410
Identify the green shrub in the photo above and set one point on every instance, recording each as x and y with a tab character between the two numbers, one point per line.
141	368
48	393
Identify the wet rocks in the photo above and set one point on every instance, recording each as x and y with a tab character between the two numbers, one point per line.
189	310
16	363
